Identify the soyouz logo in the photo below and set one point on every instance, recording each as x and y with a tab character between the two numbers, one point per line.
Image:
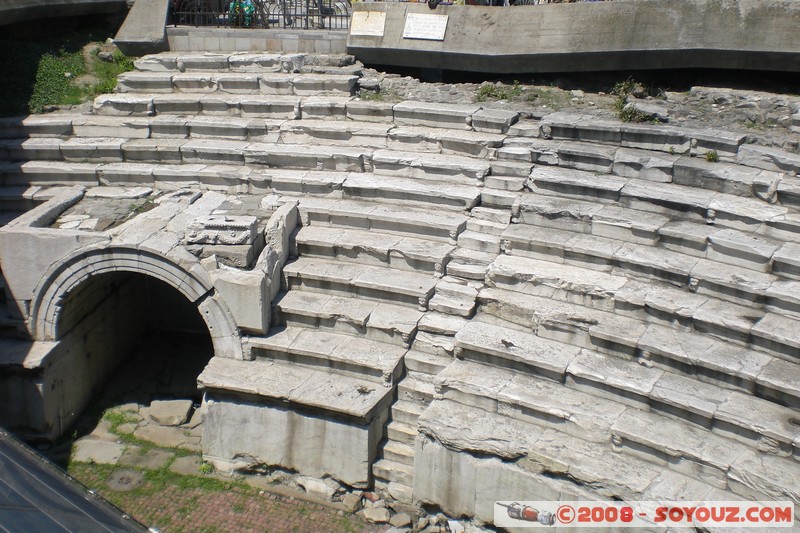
739	514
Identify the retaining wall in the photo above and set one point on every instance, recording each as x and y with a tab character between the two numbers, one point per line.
587	36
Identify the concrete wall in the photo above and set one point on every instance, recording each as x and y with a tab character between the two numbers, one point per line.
274	40
20	10
592	36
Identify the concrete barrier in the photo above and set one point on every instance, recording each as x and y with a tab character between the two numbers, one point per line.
588	36
144	30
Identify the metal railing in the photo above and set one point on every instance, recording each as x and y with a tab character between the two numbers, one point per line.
297	14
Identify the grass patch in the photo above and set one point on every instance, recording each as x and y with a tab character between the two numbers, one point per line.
42	73
499	92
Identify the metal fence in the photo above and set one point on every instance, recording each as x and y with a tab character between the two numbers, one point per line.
297	14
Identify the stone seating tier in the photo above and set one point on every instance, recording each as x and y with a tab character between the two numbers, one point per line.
563	288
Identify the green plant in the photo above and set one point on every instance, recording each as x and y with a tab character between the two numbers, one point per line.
712	156
206	468
53	80
499	92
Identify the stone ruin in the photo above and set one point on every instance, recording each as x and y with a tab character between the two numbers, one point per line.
451	304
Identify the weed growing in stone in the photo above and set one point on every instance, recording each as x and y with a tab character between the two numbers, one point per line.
712	156
499	92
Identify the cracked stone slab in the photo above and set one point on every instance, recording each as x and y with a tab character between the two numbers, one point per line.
513	349
464	428
642	164
719	177
612	377
296	384
761	476
779	380
747	418
654	262
611	475
528	398
665	198
731	282
436	115
688	398
778	333
562	282
575	182
557	213
742	249
682	446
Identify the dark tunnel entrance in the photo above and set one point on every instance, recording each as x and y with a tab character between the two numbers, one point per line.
130	340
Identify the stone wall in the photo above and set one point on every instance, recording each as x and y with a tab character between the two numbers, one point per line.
592	36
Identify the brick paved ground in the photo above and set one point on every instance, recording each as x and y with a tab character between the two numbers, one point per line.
203	504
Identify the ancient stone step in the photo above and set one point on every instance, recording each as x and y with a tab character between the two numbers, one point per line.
46	125
383	322
446	141
406	412
399	452
453	297
373	247
683	447
349	279
336	158
36	148
720	177
528	399
415	390
436	115
202	81
480	242
401	432
391	471
48	174
768	158
426	363
469	264
353	356
425	223
450	168
560	282
325	132
417	192
514	349
578	183
655	330
359	398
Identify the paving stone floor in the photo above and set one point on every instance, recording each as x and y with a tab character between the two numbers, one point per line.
156	475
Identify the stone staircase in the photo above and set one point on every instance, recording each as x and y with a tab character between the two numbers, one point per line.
567	307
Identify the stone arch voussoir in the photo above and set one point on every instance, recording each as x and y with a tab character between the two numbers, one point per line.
187	278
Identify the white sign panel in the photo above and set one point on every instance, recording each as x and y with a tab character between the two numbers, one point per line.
369	23
423	26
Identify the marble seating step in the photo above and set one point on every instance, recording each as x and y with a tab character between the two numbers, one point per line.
358	398
238	61
704	353
378	321
336	158
373	248
350	279
413	191
350	355
628	475
430	166
335	132
441	224
584	414
306	84
446	141
680	244
283	107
